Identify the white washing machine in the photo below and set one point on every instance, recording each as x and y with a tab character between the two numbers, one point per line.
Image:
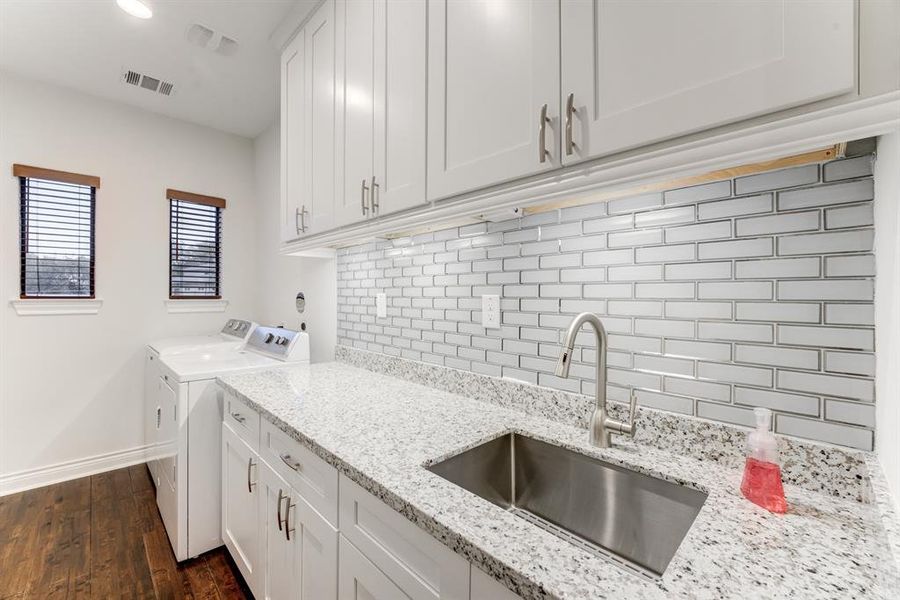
233	335
189	432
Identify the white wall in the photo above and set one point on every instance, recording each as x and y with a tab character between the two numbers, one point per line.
70	386
887	309
281	277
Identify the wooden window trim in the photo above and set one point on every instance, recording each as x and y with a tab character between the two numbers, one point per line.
54	175
195	198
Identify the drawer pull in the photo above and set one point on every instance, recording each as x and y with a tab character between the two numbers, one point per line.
239	418
290	462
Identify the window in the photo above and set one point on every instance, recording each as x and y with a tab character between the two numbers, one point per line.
195	245
56	233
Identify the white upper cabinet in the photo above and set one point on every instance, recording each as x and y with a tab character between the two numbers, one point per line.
493	92
634	73
381	102
308	126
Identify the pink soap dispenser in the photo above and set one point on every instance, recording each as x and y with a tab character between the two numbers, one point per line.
762	472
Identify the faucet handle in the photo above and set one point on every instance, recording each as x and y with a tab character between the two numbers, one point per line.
632	409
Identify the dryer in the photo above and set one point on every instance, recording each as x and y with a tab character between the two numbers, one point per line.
189	406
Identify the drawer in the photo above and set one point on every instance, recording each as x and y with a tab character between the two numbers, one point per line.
313	478
243	420
417	563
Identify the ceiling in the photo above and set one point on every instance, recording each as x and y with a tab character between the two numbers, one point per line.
88	45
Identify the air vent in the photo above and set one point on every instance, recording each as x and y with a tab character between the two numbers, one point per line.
147	82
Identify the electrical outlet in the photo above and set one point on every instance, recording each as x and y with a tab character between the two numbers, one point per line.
490	311
381	306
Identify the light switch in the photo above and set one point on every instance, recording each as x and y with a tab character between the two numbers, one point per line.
380	306
490	311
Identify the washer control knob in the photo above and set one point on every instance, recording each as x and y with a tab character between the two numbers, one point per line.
269	338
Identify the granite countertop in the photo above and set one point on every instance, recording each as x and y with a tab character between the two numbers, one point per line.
380	431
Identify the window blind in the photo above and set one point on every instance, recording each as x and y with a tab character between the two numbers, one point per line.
195	245
56	238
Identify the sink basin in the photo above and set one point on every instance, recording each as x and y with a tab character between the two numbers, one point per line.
636	520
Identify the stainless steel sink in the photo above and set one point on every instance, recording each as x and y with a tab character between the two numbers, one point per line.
634	519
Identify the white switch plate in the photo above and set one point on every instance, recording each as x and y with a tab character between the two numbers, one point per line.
490	311
380	306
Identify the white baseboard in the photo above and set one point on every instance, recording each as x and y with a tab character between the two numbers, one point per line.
34	478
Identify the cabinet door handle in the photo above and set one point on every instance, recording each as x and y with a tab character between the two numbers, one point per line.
303	213
250	484
570	111
278	510
290	462
365	208
158	416
287	515
376	191
542	135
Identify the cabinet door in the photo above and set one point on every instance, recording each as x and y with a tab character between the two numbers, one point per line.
308	127
316	550
293	86
276	551
240	502
355	44
639	72
361	580
492	67
401	49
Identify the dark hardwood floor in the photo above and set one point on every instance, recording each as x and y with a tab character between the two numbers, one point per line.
101	537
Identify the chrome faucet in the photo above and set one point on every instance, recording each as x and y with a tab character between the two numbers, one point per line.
602	426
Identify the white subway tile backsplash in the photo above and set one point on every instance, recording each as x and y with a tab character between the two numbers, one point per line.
664	290
643	237
821	243
827	337
695	233
777	268
748	332
736	249
860	215
669	216
855	363
665	253
832	385
849	314
735	374
694	271
735	290
829	289
839	193
771	180
824	431
794	358
737	207
781	223
861	166
777	401
713	304
792	312
855	413
698	310
861	265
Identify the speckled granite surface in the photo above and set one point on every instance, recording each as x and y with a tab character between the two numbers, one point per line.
840	472
380	431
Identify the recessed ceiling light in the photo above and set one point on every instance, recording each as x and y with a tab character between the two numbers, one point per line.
135	8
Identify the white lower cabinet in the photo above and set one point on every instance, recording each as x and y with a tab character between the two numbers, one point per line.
361	580
240	499
299	531
299	549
